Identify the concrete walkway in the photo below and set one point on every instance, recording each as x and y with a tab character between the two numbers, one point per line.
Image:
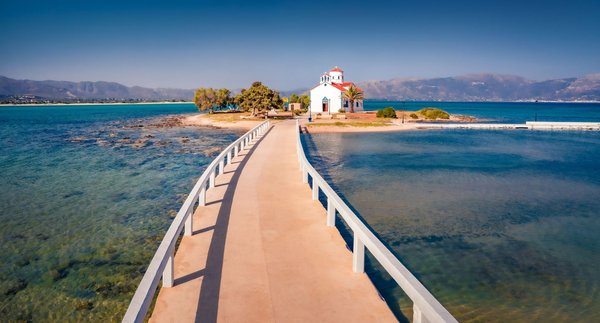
261	251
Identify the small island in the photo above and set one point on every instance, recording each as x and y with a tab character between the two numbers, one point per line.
386	119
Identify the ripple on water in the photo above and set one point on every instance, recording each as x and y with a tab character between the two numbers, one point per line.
82	218
499	225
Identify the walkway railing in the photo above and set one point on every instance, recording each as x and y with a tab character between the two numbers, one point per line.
425	307
162	262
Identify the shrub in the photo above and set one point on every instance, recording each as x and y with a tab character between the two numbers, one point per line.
342	110
387	112
414	116
434	113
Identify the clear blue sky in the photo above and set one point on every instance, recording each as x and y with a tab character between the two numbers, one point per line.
287	44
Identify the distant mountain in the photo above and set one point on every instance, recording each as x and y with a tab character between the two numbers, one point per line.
475	87
63	90
485	87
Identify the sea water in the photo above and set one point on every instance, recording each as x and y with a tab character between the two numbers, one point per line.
503	112
501	226
86	195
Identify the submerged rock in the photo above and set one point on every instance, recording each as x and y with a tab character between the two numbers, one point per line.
12	287
139	143
80	139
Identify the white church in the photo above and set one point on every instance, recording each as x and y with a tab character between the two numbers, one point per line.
327	96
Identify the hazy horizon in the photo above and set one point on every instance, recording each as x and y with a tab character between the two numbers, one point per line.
185	44
308	86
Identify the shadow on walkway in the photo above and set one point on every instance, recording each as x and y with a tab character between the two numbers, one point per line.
208	303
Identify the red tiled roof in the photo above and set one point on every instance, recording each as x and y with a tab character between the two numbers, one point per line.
339	86
336	69
344	86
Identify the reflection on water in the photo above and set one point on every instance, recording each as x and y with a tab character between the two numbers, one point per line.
499	225
86	196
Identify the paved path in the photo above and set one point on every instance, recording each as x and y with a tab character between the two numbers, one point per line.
261	251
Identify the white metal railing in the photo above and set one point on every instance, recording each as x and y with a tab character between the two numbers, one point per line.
162	262
426	308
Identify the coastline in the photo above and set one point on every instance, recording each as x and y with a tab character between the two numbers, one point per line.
369	122
356	122
80	104
191	102
332	128
483	101
207	120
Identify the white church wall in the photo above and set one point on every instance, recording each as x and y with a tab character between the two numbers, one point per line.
325	90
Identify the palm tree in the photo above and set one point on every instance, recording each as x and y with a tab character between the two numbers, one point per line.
353	94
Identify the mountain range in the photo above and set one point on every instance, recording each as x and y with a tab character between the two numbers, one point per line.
64	90
485	87
474	87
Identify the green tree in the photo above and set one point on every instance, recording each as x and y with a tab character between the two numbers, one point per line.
205	99
210	99
223	98
305	100
353	94
294	98
258	98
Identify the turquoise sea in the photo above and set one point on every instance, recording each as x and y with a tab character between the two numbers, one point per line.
87	192
501	226
496	224
517	112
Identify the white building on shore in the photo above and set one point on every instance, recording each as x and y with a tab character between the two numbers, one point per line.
327	96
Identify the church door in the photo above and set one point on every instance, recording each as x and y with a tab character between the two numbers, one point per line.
325	105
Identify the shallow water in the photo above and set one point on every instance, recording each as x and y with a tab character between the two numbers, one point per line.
87	193
499	225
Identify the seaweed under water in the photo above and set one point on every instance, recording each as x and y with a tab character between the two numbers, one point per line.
501	226
86	196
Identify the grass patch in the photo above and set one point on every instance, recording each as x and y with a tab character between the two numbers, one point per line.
230	116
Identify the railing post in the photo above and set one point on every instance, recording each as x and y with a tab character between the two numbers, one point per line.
418	315
189	223
167	277
212	178
330	213
235	151
222	166
304	174
202	196
229	157
358	255
315	189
